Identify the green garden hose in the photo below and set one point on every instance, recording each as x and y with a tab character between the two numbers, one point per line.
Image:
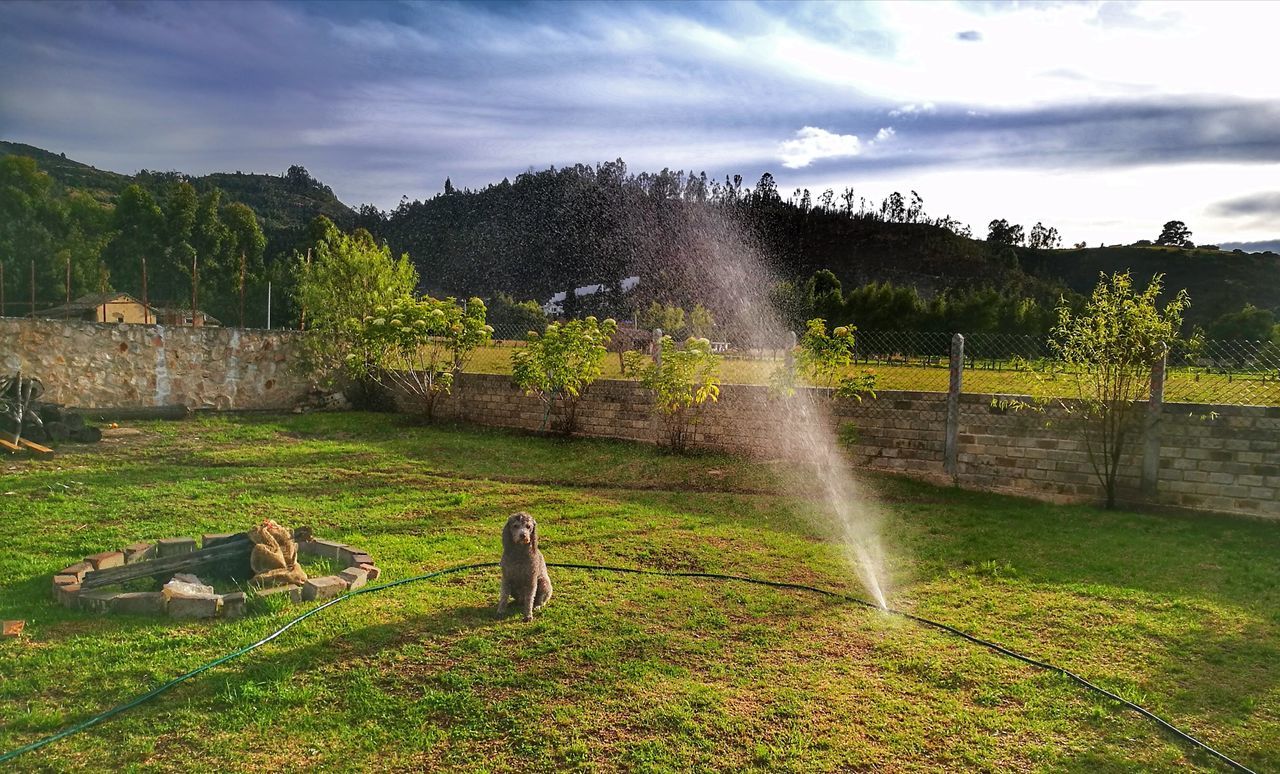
149	695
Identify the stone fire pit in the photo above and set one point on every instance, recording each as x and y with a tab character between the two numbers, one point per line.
178	561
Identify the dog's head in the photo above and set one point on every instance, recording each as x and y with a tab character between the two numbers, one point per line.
521	531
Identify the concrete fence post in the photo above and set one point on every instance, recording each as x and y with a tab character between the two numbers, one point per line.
950	452
657	346
1151	430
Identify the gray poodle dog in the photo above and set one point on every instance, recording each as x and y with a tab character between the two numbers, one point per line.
524	571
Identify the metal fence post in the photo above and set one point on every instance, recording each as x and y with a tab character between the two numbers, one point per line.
950	450
1151	430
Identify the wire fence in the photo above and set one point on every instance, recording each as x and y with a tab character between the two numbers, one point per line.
1227	372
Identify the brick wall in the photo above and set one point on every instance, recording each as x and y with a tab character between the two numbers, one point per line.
107	365
1230	463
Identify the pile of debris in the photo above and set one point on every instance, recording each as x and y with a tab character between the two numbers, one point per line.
26	421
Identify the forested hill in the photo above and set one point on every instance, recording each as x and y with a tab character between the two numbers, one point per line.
283	203
558	228
550	230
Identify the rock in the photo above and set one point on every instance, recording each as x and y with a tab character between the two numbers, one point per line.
174	546
69	596
139	603
325	548
65	580
194	607
96	601
326	587
233	605
371	571
105	560
354	577
353	556
293	592
78	569
139	552
12	628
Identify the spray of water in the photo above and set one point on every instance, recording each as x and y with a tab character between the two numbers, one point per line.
719	263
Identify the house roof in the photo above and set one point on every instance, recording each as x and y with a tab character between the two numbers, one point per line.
85	304
183	312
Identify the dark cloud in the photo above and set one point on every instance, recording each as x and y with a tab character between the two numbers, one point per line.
1252	205
382	100
1265	246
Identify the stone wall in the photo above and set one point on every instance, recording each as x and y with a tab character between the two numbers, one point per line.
1218	458
108	365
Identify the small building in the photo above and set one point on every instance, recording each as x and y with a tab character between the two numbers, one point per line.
124	308
102	307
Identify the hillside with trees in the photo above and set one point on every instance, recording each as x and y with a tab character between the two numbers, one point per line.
547	231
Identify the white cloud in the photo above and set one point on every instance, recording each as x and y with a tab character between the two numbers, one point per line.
812	144
885	133
912	109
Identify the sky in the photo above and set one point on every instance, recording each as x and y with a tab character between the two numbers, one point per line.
1102	119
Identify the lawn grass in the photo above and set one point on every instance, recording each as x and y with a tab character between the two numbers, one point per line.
1182	385
1180	614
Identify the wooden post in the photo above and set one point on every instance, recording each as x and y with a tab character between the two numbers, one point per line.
2	314
241	290
68	278
268	304
33	290
195	287
1151	430
657	346
146	300
950	452
302	319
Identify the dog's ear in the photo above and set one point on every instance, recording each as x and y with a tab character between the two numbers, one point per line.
533	536
506	535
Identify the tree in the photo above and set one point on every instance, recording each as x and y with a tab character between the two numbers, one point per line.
514	320
1176	234
701	322
1001	232
347	277
1044	238
559	365
1250	323
682	379
40	227
418	345
668	317
1109	348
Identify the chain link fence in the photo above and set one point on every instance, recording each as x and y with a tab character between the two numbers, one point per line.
1009	366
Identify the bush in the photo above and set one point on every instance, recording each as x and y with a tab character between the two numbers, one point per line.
559	365
682	381
417	344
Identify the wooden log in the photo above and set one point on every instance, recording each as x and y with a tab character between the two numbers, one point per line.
232	553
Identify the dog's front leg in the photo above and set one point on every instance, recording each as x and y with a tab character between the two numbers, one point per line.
528	598
503	595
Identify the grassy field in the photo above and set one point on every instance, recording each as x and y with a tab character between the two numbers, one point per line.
1182	385
623	673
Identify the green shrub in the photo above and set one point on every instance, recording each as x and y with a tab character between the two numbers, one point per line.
559	365
682	380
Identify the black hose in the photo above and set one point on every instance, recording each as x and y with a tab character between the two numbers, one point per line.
119	708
